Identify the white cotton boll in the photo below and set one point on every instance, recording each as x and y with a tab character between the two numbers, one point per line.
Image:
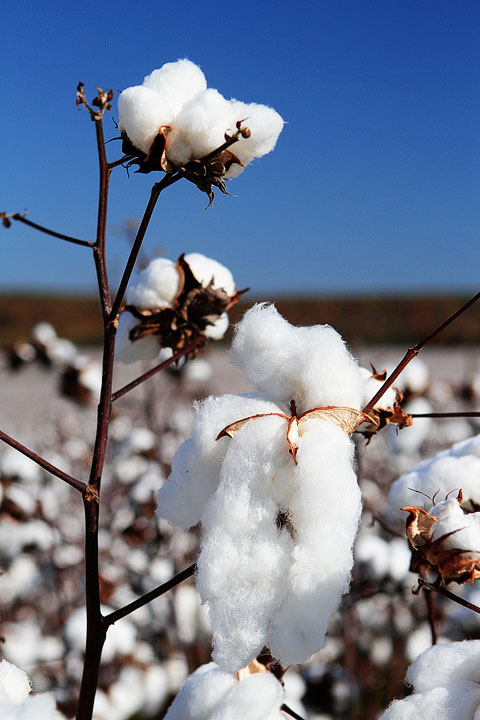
14	683
372	554
253	698
199	127
61	351
141	113
444	473
121	637
308	364
42	333
199	370
176	82
418	640
426	707
208	271
201	693
156	286
126	351
186	604
15	465
196	465
322	555
244	557
451	519
400	557
265	125
20	580
372	386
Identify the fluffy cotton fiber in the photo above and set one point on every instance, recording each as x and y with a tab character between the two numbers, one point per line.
176	97
446	684
277	549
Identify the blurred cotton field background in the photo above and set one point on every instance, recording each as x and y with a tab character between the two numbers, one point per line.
47	400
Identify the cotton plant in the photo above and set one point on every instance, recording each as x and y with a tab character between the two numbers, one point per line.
169	305
270	476
446	685
173	121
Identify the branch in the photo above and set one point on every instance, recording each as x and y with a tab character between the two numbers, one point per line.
155	193
445	414
148	597
77	484
290	712
196	343
47	231
423	584
413	351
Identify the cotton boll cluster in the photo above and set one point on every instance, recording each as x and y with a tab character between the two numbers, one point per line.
174	115
170	304
444	473
267	566
445	684
212	693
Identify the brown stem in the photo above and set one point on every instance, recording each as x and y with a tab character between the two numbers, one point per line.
446	593
99	248
126	388
430	599
53	233
290	712
77	484
154	195
413	351
152	595
445	415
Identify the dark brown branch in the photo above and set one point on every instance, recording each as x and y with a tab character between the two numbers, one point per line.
47	231
446	593
430	600
99	248
290	712
413	351
152	595
119	393
77	484
155	193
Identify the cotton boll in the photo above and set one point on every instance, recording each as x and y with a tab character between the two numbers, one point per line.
208	271
14	683
253	698
308	364
15	465
156	286
265	125
201	693
371	553
126	351
217	330
372	386
141	113
43	333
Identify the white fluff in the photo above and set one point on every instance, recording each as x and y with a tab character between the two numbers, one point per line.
261	586
446	684
197	118
14	684
444	473
370	388
212	694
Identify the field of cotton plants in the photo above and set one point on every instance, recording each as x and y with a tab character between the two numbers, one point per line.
288	530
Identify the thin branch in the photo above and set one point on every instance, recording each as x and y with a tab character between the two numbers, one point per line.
196	343
47	231
446	593
413	351
290	712
152	595
77	484
430	600
446	414
154	195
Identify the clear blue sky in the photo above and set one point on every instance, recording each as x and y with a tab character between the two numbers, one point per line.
374	184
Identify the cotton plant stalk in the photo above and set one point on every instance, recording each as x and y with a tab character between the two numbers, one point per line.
270	475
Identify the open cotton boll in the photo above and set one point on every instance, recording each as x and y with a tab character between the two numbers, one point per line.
445	680
155	286
256	697
141	113
265	125
126	351
14	683
201	693
310	365
446	472
207	270
176	82
451	519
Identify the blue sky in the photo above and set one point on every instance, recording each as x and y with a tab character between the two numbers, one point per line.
374	184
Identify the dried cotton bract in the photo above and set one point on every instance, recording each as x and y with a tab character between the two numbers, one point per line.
445	680
172	304
277	549
173	119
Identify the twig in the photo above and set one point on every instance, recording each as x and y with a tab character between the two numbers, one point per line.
290	712
446	593
430	600
77	484
126	388
445	414
148	597
47	231
413	351
154	195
